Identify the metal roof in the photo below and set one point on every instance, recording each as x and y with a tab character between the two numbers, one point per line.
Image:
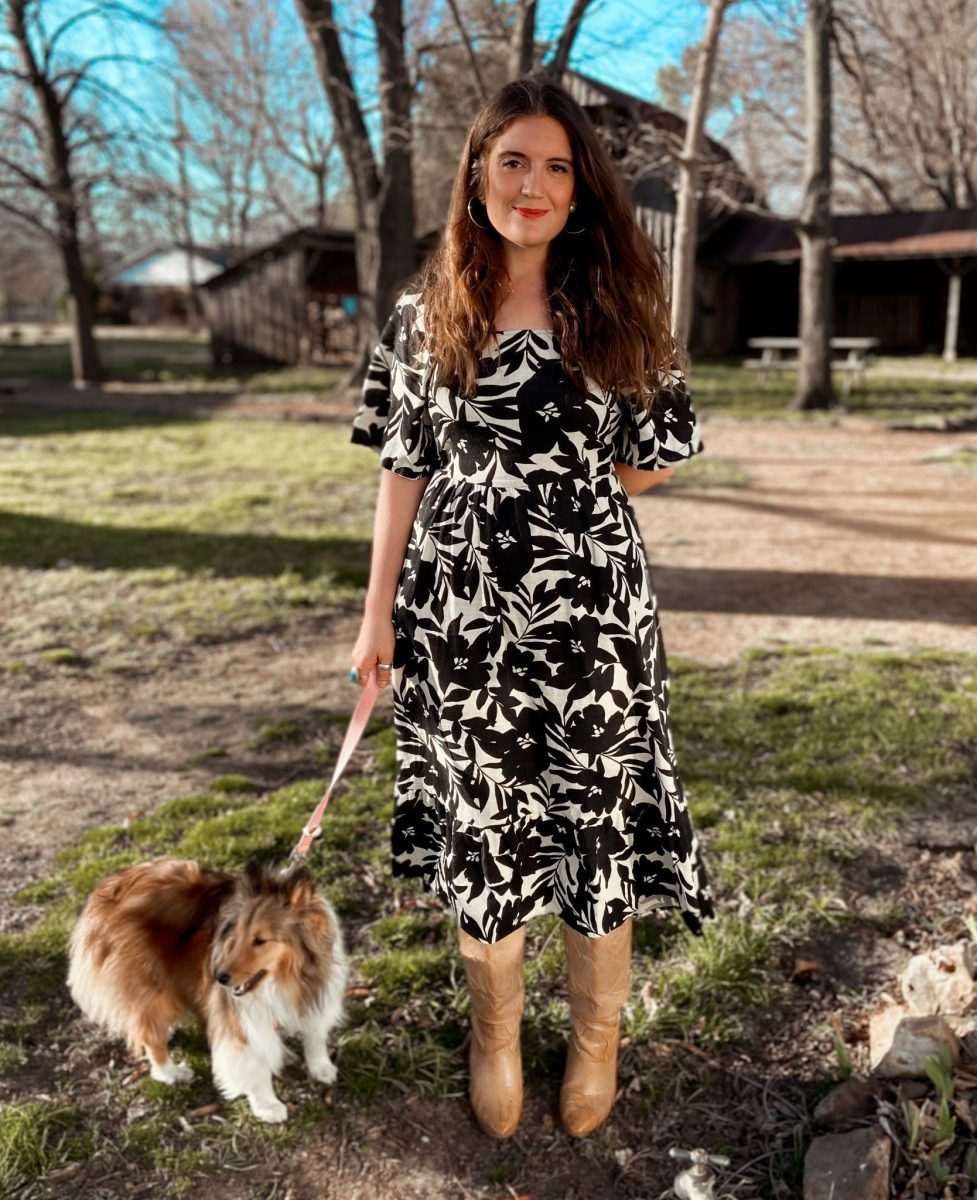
943	233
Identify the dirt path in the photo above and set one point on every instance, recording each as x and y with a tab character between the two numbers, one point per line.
846	535
843	536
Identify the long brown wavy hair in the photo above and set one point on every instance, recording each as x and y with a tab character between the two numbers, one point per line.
606	285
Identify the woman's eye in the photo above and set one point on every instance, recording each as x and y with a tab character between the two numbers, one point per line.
512	162
560	167
259	941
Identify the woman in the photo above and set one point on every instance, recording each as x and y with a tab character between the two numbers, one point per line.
519	393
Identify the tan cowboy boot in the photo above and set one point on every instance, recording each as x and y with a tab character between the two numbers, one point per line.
598	982
495	984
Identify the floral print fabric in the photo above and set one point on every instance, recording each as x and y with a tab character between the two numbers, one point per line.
536	769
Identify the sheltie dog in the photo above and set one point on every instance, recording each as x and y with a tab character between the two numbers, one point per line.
252	955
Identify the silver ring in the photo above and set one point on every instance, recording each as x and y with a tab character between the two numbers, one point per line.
384	666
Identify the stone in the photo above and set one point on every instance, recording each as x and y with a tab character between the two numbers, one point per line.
939	981
881	1030
849	1101
913	1039
848	1166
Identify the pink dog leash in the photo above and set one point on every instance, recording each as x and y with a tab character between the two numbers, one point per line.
354	731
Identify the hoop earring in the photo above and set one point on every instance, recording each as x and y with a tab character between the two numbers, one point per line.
582	229
471	218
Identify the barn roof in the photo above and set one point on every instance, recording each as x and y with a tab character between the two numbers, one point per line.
944	233
166	266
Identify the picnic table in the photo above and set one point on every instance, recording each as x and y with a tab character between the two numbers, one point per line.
783	354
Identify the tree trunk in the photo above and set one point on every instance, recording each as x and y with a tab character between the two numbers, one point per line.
561	56
952	317
395	215
86	367
814	384
687	216
521	50
384	204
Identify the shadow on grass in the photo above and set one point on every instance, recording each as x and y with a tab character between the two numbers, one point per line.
43	542
820	594
72	412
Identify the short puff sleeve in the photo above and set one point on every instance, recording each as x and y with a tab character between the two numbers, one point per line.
393	417
651	437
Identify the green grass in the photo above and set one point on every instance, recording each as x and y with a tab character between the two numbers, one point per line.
120	542
37	1137
891	391
793	761
161	358
710	471
963	462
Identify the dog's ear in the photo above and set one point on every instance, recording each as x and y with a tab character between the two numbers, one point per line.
299	885
254	876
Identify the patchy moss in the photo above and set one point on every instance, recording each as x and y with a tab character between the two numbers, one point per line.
275	733
710	471
398	974
37	1136
233	784
793	761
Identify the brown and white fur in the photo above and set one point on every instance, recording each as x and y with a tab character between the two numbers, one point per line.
252	955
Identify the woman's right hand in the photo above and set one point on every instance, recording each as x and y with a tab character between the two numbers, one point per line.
374	644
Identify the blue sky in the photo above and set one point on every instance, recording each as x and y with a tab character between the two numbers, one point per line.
622	42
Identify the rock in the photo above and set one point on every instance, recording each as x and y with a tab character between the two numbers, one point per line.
848	1166
881	1030
847	1102
899	1045
939	981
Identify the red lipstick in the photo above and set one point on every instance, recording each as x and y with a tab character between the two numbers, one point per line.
532	212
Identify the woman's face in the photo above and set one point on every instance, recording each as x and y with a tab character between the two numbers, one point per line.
529	181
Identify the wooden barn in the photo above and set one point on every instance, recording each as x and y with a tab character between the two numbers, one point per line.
294	300
644	140
894	277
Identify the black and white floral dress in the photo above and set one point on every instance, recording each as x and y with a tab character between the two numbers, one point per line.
536	769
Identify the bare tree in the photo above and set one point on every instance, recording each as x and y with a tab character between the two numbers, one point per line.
688	162
555	67
909	102
261	156
44	182
523	44
814	384
383	191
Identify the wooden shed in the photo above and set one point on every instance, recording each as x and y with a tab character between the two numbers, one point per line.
292	301
896	276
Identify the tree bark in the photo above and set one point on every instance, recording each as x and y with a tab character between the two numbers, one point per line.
952	316
86	367
814	384
522	48
687	216
383	198
561	57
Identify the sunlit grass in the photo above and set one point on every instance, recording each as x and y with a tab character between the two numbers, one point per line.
725	387
793	761
120	540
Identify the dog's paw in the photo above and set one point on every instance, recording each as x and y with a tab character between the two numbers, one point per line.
268	1109
171	1072
322	1070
